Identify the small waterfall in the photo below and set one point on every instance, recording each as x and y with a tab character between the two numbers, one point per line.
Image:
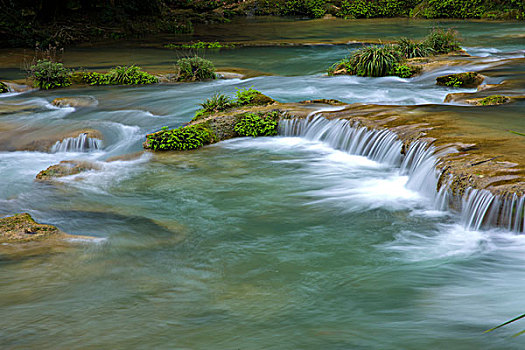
81	143
478	208
379	145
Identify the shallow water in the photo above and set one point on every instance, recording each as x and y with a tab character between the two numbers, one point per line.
274	243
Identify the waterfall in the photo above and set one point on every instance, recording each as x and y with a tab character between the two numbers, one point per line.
81	143
478	208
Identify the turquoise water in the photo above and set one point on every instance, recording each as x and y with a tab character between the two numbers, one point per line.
270	243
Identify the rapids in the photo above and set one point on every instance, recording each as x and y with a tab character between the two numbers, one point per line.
325	236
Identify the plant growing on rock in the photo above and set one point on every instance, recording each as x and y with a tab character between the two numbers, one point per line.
3	88
493	100
467	80
442	41
253	124
121	75
246	96
411	49
181	139
217	103
194	69
47	74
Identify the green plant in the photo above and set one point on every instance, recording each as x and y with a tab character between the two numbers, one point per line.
257	125
309	8
375	61
493	100
246	96
181	139
3	88
195	68
121	75
402	70
411	49
217	103
49	75
442	41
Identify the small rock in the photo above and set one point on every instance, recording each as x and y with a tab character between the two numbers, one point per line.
65	168
78	101
22	228
463	80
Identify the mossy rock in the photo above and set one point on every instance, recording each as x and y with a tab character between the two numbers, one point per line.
77	101
3	88
492	100
65	168
463	80
22	228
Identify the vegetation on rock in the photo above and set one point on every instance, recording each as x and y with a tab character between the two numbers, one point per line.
47	74
465	80
181	139
121	75
194	69
22	228
254	125
493	100
200	45
3	88
379	61
220	102
65	168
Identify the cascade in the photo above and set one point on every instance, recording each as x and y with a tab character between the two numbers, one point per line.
81	143
478	208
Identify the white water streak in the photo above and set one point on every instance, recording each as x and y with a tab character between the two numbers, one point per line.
81	143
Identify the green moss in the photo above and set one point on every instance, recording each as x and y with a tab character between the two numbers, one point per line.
121	75
202	45
253	124
181	139
493	100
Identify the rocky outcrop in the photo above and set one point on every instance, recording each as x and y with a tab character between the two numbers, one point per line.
463	80
66	168
22	228
76	101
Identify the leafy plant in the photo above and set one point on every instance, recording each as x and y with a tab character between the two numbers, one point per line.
181	139
121	75
47	74
375	61
257	125
442	41
217	103
411	49
493	100
246	96
195	68
402	70
309	8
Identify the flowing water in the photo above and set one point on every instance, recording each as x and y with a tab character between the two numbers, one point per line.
291	242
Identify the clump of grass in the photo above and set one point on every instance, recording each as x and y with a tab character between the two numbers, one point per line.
217	103
194	69
442	41
411	49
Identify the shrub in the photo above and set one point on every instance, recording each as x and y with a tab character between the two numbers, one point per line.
442	41
181	139
49	75
217	103
195	68
257	125
411	49
121	75
310	8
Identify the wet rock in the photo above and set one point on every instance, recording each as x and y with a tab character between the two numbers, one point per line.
324	101
66	168
492	100
77	101
464	80
22	228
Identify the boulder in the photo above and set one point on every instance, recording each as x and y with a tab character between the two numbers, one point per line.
66	168
463	80
77	101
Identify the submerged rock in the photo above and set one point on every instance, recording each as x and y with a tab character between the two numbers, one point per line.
77	101
464	80
22	228
66	168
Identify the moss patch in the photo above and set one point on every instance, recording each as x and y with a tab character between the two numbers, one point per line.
180	139
65	168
